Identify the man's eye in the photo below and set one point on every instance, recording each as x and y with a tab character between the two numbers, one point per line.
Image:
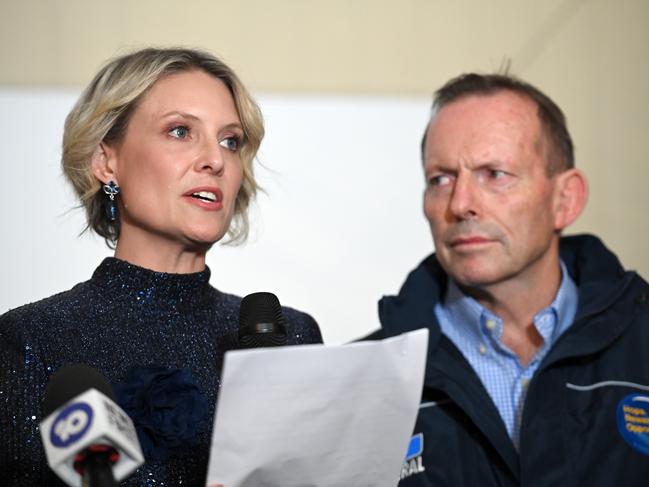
497	174
230	143
439	180
179	132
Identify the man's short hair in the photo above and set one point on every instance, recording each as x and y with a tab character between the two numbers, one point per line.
559	151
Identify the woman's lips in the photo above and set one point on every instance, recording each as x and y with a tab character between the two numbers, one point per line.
209	198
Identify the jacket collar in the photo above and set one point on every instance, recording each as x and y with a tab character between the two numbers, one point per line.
601	281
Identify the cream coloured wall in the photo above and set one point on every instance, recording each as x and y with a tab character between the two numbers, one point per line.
589	55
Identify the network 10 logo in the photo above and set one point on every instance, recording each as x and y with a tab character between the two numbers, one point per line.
71	424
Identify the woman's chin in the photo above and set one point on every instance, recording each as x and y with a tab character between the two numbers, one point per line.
203	241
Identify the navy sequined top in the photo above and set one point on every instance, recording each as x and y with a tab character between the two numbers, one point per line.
174	327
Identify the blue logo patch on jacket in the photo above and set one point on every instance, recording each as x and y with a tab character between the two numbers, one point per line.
415	447
633	421
413	463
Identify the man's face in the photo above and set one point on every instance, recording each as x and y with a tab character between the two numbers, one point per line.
489	201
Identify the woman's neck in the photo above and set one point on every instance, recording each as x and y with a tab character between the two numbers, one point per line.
161	255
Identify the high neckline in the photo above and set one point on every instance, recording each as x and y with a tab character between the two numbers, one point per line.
144	285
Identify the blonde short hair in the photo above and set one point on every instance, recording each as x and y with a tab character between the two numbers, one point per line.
103	111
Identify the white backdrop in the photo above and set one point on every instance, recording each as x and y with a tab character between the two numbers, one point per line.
341	224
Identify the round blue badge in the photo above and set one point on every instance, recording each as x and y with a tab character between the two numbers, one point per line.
71	424
633	421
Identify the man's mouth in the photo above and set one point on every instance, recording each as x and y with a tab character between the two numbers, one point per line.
469	240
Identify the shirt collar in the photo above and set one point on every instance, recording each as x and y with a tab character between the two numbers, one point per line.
474	319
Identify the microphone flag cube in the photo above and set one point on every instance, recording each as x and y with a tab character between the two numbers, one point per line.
90	418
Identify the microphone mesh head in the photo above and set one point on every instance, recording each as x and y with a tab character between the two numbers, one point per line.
71	380
261	322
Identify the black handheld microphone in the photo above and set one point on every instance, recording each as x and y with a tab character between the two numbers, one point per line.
261	322
88	439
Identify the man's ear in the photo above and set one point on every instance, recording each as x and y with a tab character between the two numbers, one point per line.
571	195
103	164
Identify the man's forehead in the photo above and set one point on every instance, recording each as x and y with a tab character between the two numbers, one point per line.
500	119
505	110
501	103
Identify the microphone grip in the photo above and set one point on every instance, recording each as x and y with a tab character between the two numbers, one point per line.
98	471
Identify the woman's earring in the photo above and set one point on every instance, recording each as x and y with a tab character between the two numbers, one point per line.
111	189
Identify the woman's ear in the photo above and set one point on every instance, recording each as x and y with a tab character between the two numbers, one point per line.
571	195
103	164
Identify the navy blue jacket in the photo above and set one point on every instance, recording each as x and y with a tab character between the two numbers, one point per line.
569	437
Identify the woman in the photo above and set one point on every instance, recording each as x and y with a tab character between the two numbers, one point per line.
159	149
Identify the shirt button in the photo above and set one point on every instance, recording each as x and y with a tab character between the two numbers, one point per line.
525	382
482	349
491	325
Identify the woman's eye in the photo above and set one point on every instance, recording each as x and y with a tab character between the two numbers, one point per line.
179	132
230	143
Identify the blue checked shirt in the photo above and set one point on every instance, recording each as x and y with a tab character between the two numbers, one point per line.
477	333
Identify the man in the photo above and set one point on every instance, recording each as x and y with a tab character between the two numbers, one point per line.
538	361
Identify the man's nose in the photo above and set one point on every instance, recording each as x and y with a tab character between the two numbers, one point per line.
464	198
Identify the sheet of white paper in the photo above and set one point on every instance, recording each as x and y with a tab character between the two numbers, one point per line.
316	415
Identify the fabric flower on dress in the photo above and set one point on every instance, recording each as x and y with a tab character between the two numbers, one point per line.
167	407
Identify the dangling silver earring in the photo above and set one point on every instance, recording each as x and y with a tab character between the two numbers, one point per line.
111	189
